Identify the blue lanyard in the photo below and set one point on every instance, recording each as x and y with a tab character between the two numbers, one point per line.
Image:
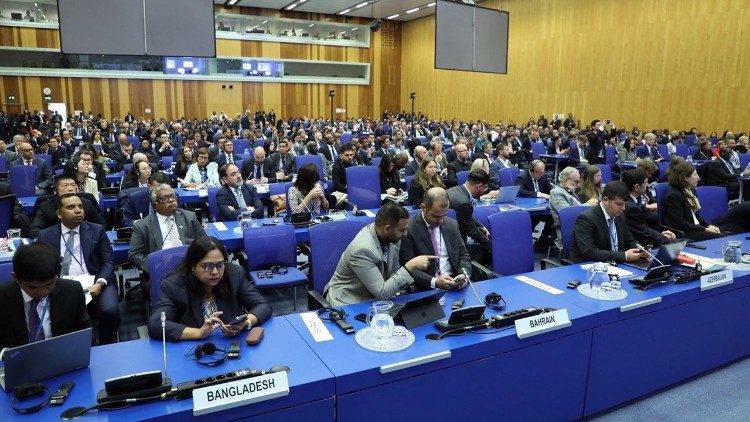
41	320
72	254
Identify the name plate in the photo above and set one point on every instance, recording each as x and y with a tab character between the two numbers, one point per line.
711	281
239	393
539	285
542	323
316	327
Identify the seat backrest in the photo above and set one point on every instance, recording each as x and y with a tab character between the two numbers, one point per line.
568	218
744	160
5	270
682	150
45	157
508	176
7	203
23	180
241	145
166	162
408	180
266	246
610	155
461	177
606	172
663	168
160	265
661	192
714	201
327	244
315	159
375	162
346	138
132	204
213	207
363	186
692	150
483	214
511	228
537	149
3	163
664	151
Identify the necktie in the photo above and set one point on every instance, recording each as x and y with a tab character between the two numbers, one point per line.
173	236
612	234
28	162
258	174
435	247
536	185
68	256
283	163
386	270
333	152
229	159
240	199
33	319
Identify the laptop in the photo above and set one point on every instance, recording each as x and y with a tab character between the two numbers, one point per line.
36	362
16	16
507	194
666	255
419	311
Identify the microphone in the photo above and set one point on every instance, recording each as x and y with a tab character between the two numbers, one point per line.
164	340
463	271
641	248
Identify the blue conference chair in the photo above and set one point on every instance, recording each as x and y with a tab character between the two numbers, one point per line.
606	172
3	163
692	150
664	151
7	203
375	163
512	228
23	180
663	168
166	162
483	214
408	180
5	269
315	159
610	155
461	177
241	145
132	204
160	265
744	160
272	249
661	192
363	186
213	207
327	243
714	202
682	150
508	176
346	138
568	218
46	157
537	149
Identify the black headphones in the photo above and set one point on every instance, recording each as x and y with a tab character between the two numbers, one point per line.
30	390
332	314
277	269
206	351
495	301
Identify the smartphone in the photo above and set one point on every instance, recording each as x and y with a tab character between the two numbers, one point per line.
238	320
58	397
361	317
234	350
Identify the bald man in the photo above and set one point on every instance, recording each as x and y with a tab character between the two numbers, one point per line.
257	171
44	175
420	153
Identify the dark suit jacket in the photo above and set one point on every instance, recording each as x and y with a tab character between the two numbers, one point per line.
325	149
182	310
221	158
97	251
460	201
46	212
147	236
676	213
44	176
645	235
338	175
642	152
574	155
526	183
289	168
67	312
591	237
248	170
226	198
417	242
718	174
453	168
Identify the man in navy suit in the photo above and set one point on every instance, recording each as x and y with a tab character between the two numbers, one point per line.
235	196
578	150
534	183
227	155
649	149
85	249
44	176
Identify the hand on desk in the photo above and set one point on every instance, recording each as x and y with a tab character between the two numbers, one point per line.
635	254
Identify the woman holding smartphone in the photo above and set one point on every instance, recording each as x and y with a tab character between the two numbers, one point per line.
205	293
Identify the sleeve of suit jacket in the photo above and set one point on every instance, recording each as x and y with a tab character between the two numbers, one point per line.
171	301
104	249
364	263
523	191
585	237
408	251
137	253
470	227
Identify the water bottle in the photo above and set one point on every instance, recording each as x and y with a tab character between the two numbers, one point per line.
246	219
690	159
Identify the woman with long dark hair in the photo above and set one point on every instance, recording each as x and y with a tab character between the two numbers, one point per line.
307	195
591	187
681	209
390	182
206	292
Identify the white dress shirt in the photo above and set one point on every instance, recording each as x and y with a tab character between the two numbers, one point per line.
46	322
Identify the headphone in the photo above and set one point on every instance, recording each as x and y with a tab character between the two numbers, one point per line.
495	301
206	351
333	314
30	390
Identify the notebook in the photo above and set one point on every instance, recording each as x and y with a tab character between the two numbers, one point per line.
666	255
507	194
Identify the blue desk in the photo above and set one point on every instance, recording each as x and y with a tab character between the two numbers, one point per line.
119	251
557	158
311	383
534	206
486	374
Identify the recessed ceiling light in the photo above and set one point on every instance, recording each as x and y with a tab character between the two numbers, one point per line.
291	7
363	4
393	16
431	4
345	11
412	10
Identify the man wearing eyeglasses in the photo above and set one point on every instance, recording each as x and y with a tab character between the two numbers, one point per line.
166	227
44	175
38	305
84	249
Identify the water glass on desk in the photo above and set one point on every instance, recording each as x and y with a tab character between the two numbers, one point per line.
245	219
379	319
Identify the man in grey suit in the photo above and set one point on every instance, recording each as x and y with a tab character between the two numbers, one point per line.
432	233
461	199
369	268
164	228
564	195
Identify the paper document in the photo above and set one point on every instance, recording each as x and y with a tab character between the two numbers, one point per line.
220	226
86	280
369	213
264	188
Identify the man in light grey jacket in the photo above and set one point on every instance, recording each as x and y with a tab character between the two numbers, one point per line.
564	195
369	268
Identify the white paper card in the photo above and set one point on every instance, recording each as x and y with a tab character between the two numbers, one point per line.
612	270
316	327
542	323
262	188
240	392
369	213
86	280
202	193
713	280
220	226
539	285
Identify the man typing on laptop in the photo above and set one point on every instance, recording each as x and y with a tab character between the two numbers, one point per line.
39	305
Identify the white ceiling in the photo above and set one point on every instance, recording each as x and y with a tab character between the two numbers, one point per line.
377	9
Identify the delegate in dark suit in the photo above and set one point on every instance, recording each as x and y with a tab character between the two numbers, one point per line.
97	255
67	308
288	166
182	310
147	236
643	234
222	159
526	183
44	176
226	198
248	170
718	173
417	242
454	168
470	227
678	214
591	237
46	213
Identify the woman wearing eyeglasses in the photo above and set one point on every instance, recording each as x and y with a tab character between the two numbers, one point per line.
204	294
